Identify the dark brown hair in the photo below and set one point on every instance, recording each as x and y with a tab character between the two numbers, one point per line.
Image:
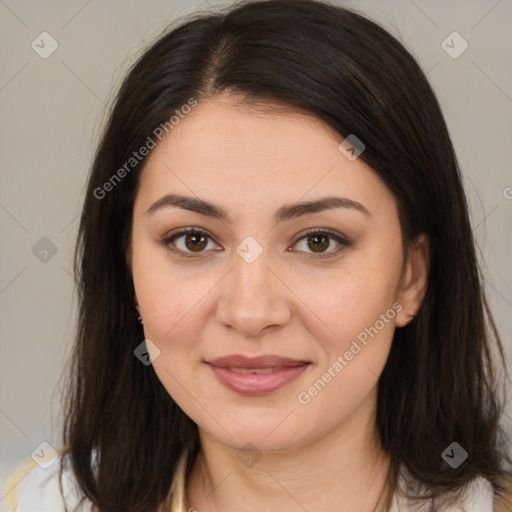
440	381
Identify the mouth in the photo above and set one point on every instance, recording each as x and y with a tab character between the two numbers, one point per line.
256	375
254	370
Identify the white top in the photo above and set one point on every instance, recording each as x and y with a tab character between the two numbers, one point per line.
38	491
38	487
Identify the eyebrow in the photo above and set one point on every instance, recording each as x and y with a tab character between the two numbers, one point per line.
285	212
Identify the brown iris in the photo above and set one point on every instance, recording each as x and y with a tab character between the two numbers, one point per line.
198	241
318	246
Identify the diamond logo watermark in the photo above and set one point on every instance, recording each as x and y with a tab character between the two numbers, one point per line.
249	455
44	455
351	147
44	45
147	352
44	250
249	250
454	455
454	45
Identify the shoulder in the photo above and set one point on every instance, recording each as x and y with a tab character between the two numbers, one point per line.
480	496
35	487
477	496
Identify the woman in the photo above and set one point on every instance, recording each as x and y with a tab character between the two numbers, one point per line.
280	303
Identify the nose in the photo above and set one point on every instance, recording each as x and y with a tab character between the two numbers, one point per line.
254	297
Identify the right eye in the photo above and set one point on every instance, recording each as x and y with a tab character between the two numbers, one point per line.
195	240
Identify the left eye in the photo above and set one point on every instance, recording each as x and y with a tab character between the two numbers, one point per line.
320	240
196	241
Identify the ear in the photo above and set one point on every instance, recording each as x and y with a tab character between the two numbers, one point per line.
414	279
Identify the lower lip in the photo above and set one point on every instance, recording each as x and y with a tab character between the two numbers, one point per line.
257	383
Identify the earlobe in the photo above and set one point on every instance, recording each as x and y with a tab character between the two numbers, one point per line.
414	280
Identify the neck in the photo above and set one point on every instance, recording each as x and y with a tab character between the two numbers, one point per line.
343	470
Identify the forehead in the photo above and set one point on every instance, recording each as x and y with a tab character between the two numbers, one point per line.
251	134
231	153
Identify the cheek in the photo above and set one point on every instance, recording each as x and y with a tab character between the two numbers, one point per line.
355	348
353	299
166	294
353	351
171	305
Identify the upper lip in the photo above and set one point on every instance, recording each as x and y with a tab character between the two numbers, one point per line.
265	361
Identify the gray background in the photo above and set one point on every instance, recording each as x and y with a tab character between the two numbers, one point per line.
52	110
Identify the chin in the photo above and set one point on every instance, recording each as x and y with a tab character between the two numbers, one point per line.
267	433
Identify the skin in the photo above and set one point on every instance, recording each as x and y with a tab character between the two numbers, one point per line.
323	455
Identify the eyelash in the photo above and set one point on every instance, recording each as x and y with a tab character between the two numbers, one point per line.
344	243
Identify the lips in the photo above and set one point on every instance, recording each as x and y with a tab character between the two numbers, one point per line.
266	361
256	375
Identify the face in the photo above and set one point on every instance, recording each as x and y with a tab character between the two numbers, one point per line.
322	287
